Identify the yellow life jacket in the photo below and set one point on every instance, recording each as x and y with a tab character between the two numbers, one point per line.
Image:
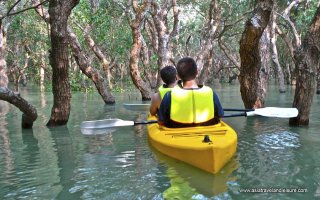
192	106
163	91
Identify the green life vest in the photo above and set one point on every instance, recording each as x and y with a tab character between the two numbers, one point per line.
192	106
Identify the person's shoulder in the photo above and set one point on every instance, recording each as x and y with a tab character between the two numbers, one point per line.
167	95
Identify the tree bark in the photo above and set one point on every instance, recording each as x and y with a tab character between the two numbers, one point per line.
307	61
136	25
205	55
251	84
81	60
100	56
275	58
59	12
29	112
162	36
3	63
91	72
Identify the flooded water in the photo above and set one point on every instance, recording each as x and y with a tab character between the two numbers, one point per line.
273	160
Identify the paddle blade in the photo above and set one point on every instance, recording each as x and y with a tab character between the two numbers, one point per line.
275	112
105	123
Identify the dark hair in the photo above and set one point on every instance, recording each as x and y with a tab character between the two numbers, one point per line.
168	74
187	69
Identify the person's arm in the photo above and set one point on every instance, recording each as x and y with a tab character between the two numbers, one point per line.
155	103
217	106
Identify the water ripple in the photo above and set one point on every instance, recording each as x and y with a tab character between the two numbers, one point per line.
278	140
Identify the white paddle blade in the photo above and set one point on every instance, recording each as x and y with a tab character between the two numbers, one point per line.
275	112
105	123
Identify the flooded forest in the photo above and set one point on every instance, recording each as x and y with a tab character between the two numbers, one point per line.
106	46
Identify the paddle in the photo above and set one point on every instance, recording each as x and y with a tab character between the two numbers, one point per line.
266	112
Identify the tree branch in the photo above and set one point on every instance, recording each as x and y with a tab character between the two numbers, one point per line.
23	10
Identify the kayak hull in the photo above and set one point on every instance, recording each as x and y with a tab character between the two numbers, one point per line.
188	144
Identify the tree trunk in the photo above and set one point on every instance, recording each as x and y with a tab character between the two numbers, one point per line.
134	66
205	55
59	12
136	25
103	59
89	71
264	72
275	58
81	59
29	112
161	36
307	60
251	82
3	63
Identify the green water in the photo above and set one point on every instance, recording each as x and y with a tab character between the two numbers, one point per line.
62	163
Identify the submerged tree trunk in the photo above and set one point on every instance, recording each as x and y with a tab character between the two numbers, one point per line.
29	112
251	86
275	58
59	12
161	35
81	60
103	59
134	66
205	55
93	73
307	61
136	25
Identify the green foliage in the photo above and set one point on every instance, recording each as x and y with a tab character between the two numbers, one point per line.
110	29
112	33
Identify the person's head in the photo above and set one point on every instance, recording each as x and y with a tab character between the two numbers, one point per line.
187	69
168	74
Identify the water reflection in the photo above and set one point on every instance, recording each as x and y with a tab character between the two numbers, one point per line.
187	182
97	143
5	150
67	162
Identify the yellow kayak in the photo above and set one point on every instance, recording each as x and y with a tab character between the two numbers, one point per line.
206	147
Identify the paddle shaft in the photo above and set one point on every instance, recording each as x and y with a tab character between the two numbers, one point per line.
244	114
238	110
146	122
225	109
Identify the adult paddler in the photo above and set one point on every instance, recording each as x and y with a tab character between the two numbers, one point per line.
189	104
